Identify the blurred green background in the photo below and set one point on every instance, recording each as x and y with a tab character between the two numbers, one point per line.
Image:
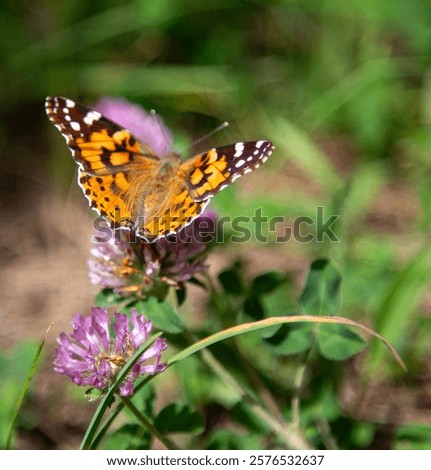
342	88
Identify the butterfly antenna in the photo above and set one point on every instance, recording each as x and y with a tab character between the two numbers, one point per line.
161	126
222	126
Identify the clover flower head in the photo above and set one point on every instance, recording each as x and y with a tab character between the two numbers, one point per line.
114	265
178	258
140	268
94	353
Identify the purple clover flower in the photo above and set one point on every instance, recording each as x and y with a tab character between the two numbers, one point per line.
147	127
114	265
94	354
142	268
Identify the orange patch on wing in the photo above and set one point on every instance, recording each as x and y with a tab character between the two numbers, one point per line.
119	158
220	164
180	198
88	153
96	141
196	176
96	166
101	136
214	177
204	188
124	137
92	158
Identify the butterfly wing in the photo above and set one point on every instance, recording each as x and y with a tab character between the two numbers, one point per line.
208	173
200	178
113	165
177	211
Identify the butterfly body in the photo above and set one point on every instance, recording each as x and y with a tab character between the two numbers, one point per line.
133	188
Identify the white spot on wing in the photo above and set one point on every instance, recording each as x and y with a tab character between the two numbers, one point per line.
66	110
239	149
259	143
70	103
239	163
75	126
91	116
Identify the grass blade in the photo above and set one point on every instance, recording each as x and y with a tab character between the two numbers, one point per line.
268	322
24	390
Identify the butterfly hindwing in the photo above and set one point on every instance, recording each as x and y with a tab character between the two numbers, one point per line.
208	173
179	210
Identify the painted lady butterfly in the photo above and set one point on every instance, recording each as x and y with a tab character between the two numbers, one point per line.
131	187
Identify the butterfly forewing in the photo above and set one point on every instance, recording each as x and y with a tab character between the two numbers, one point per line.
99	145
208	173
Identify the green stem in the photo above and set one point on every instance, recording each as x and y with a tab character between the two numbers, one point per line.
149	425
295	398
289	434
299	381
299	385
267	399
325	432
